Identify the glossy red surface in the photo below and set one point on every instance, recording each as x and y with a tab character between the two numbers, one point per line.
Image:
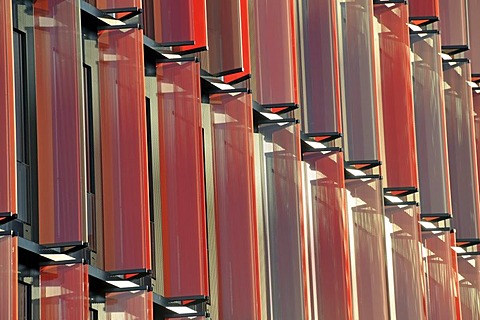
61	185
7	112
174	21
124	150
182	180
199	22
129	305
9	277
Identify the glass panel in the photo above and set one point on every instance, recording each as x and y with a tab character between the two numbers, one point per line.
440	275
328	236
469	278
397	97
7	111
403	232
430	124
64	292
174	22
224	55
365	203
124	150
239	76
283	221
8	277
129	305
199	21
360	105
320	87
453	23
461	149
423	8
235	211
182	182
273	49
61	187
473	8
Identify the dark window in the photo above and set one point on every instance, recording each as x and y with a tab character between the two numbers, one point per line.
150	183
24	301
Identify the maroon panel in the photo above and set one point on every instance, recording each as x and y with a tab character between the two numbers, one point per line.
174	21
397	96
61	186
469	278
408	272
7	112
182	180
64	292
461	149
319	61
129	305
235	212
360	99
9	277
111	4
453	23
423	8
328	237
473	8
430	124
199	22
273	48
124	150
440	275
365	201
224	29
283	222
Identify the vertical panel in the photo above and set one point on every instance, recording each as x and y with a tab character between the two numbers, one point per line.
365	203
235	211
273	49
199	21
319	63
461	149
360	102
397	96
61	182
469	278
124	150
182	181
328	236
453	23
9	277
423	8
430	124
473	8
224	27
7	112
129	305
283	222
174	21
440	275
64	292
111	4
408	272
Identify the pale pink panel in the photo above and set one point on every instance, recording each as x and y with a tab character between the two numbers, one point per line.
129	305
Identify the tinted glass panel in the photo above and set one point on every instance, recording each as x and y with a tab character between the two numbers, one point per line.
129	306
473	7
174	21
423	8
469	278
453	23
8	277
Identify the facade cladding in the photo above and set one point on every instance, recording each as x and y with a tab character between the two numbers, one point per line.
239	159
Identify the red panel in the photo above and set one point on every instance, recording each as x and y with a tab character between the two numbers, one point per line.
453	23
224	55
328	237
64	292
283	222
430	124
398	114
199	27
124	150
404	235
111	4
365	202
236	228
423	8
461	149
319	60
473	7
274	69
182	181
245	46
469	276
476	118
61	185
7	112
174	21
129	305
9	277
440	275
360	99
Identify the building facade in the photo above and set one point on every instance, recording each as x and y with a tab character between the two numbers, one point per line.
239	159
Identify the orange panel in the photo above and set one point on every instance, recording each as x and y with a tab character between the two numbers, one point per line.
8	277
